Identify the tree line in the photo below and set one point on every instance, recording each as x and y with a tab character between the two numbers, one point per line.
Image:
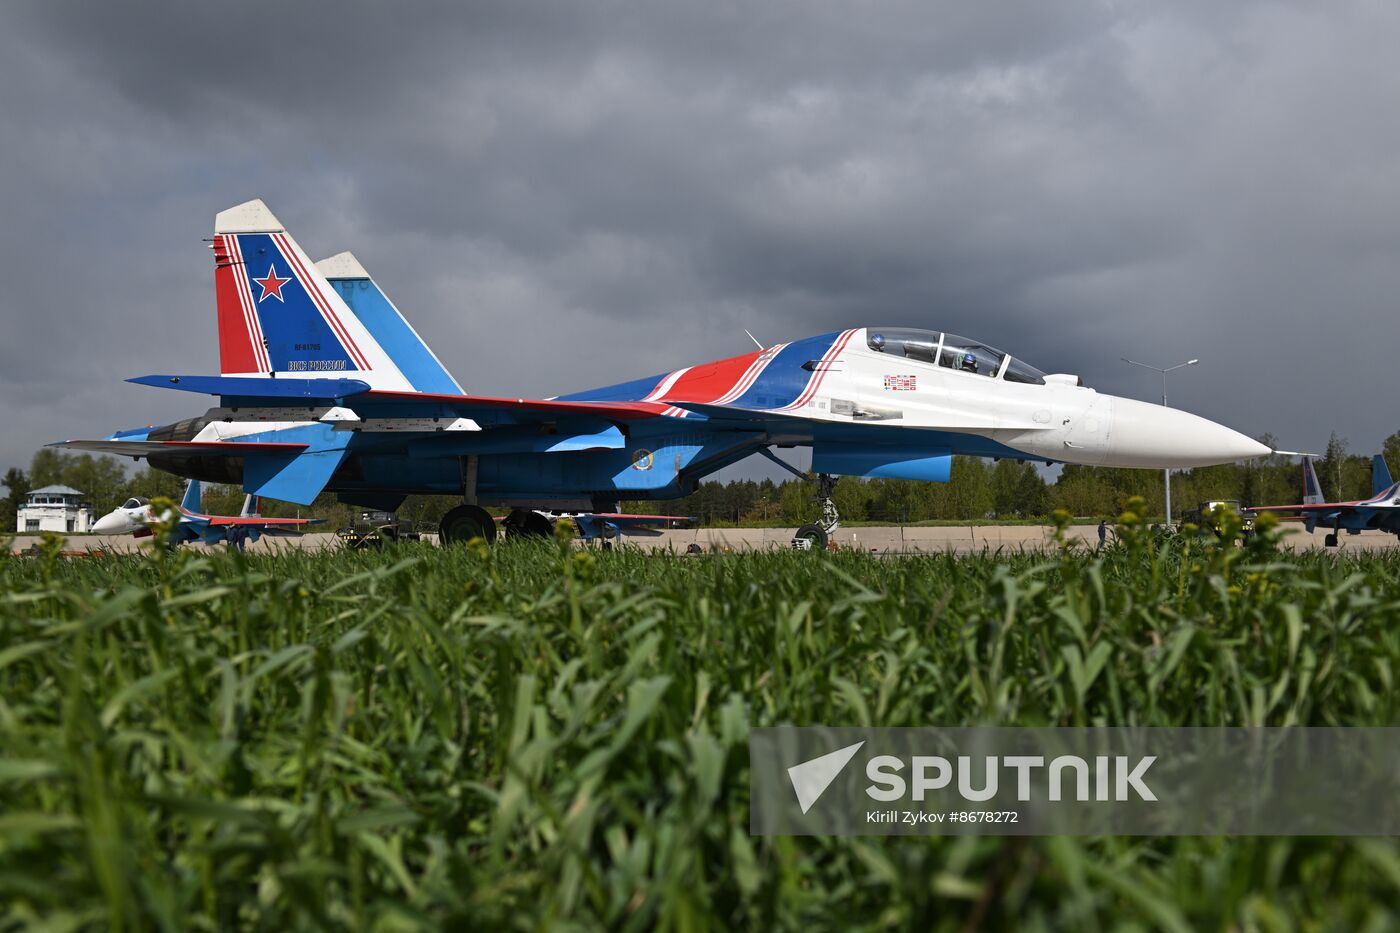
979	490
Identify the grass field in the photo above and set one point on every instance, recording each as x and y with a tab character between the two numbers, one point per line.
539	736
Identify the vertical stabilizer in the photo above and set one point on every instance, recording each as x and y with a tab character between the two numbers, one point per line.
387	325
277	313
194	498
1312	489
251	505
1380	475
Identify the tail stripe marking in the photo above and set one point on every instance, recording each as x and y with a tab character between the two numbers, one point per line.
233	357
230	246
245	298
309	283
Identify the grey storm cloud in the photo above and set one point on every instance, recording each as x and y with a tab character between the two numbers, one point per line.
566	195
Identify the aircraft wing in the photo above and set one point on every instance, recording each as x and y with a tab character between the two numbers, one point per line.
255	521
1314	507
205	448
407	403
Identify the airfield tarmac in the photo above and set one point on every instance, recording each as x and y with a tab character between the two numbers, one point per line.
883	539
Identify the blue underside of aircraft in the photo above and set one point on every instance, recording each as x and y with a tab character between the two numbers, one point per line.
522	455
582	457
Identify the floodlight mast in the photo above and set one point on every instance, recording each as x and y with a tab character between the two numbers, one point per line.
1166	474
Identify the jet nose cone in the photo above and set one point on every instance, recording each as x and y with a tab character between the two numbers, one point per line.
109	524
1147	435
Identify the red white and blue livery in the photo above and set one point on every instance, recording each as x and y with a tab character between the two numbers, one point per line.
324	386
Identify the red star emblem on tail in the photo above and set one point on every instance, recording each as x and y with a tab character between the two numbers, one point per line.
272	285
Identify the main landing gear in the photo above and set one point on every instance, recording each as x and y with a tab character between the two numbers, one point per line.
523	523
813	536
1331	540
472	521
465	522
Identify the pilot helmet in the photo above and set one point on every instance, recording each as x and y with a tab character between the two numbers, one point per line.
969	358
877	341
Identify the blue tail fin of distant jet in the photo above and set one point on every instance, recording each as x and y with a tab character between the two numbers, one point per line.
1380	476
1312	489
387	325
194	498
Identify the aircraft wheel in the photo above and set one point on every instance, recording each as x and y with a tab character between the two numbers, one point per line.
464	523
810	537
527	524
1330	541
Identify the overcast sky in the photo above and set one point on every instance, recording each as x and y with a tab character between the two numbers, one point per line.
564	196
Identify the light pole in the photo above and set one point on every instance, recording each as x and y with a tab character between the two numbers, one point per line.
1166	474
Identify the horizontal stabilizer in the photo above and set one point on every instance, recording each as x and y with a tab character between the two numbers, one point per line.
248	387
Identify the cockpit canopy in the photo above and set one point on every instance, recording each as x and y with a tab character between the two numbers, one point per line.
136	502
952	352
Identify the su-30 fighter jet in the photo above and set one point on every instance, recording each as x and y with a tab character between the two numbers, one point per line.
135	517
323	385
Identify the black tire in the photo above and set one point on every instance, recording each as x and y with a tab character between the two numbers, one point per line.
814	533
1330	541
524	523
464	523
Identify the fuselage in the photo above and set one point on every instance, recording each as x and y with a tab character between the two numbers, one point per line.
868	401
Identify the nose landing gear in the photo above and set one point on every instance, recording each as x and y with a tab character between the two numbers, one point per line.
813	536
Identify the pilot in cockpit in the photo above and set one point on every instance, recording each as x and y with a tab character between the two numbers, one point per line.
969	363
877	343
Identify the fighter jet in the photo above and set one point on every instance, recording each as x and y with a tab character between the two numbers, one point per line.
136	517
324	386
1381	512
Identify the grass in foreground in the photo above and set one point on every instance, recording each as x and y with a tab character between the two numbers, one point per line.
537	736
